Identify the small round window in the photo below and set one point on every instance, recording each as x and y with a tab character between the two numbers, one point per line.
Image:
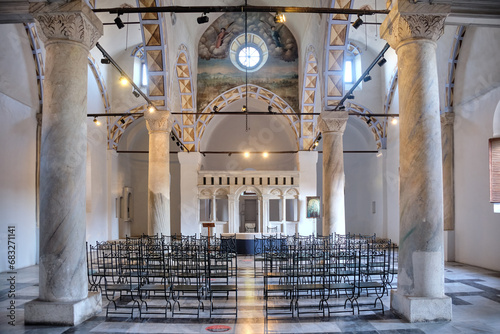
248	54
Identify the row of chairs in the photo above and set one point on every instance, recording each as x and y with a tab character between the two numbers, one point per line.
158	274
324	275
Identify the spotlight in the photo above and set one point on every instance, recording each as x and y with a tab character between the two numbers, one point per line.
173	137
202	19
244	108
279	18
367	78
151	109
350	97
246	154
178	144
265	154
356	24
215	108
319	138
368	121
105	61
381	62
229	154
123	81
136	93
96	121
394	121
118	22
316	143
122	121
342	107
270	109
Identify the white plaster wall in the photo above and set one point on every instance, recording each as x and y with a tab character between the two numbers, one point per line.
97	185
18	106
477	93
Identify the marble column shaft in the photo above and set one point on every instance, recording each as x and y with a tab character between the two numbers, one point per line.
159	124
332	126
447	139
68	36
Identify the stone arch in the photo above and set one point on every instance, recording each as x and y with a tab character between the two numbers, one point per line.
242	189
276	192
186	128
205	193
309	93
240	92
376	125
292	192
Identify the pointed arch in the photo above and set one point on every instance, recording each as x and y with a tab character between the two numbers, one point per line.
309	93
186	128
336	47
240	92
375	125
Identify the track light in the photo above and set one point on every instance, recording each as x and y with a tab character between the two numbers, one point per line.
319	138
105	60
122	121
368	121
246	154
394	121
136	93
382	61
265	154
178	144
215	108
279	18
367	78
356	24
350	97
173	137
316	143
270	109
244	108
96	121
118	22
202	19
342	107
151	109
123	80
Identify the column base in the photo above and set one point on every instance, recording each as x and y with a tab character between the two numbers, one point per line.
420	309
37	312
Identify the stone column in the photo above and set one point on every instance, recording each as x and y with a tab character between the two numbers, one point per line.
412	30
69	31
332	125
159	124
307	163
447	137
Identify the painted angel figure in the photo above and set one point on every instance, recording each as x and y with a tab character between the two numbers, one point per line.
222	34
275	34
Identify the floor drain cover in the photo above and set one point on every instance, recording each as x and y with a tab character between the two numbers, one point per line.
218	328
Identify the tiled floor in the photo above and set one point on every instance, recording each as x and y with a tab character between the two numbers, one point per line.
475	294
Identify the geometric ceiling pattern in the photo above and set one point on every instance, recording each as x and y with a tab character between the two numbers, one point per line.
279	106
335	53
186	128
155	53
309	93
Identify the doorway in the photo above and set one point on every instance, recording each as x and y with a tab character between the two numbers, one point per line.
249	216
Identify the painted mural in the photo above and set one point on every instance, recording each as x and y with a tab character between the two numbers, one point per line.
216	72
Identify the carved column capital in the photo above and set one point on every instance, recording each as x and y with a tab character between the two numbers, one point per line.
447	118
73	21
333	121
413	22
158	121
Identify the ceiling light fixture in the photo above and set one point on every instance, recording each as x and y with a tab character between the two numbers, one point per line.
246	154
265	154
382	61
119	22
215	108
123	80
350	97
279	18
394	121
151	109
356	24
367	78
96	121
136	93
270	109
105	61
244	108
203	18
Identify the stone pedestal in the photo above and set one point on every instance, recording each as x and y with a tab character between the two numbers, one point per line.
412	32
159	124
68	30
332	126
